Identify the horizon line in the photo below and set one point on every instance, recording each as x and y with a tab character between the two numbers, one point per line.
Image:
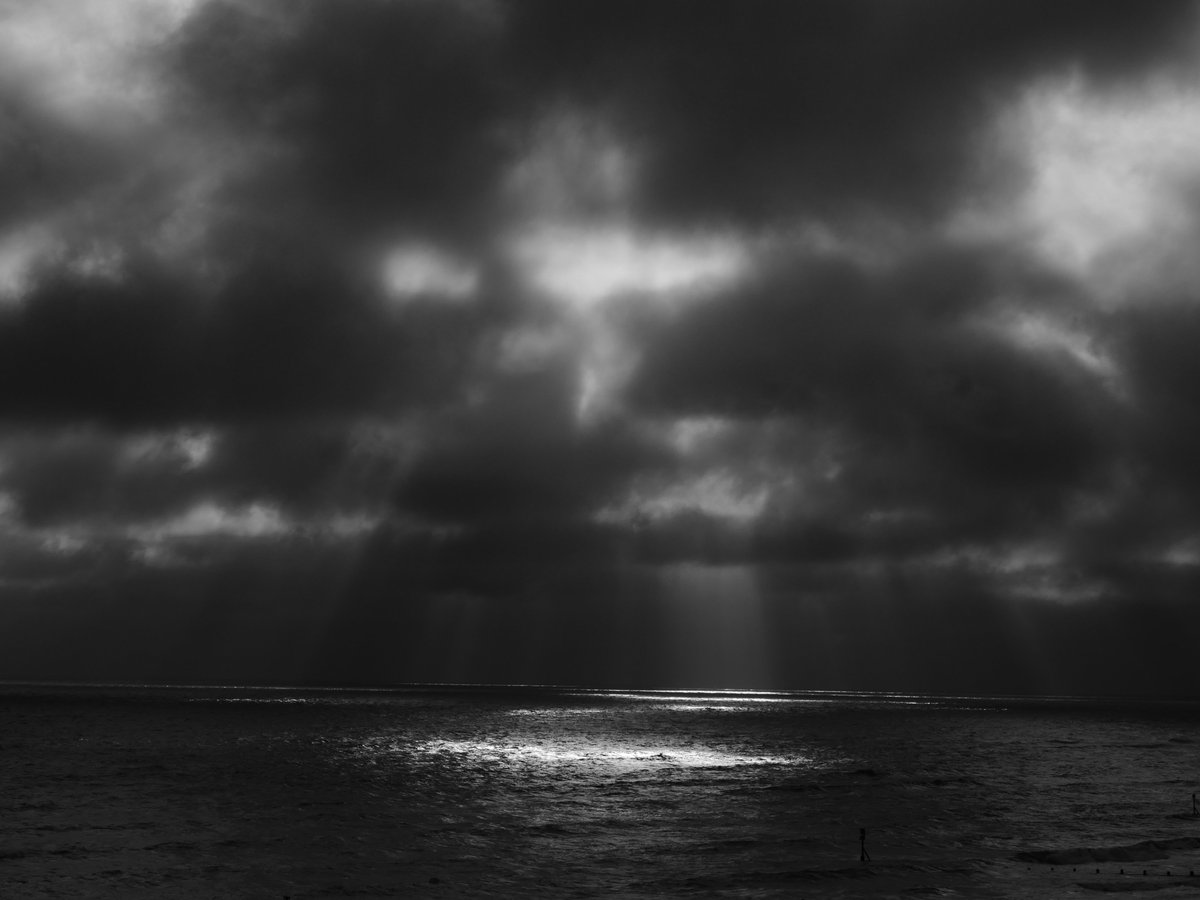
781	693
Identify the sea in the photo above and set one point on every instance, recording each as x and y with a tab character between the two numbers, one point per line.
461	791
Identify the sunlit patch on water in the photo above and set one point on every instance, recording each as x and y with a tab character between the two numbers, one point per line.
689	704
256	700
615	732
558	713
701	706
571	753
694	699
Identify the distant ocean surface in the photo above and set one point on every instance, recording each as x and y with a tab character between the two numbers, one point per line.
536	792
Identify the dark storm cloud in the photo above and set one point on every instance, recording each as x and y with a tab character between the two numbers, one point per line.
406	114
946	430
52	477
522	456
1158	343
905	359
58	477
389	112
393	116
289	333
43	163
760	110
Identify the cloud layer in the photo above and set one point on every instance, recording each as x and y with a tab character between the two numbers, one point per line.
799	345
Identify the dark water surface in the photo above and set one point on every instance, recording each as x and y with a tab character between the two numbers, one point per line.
536	792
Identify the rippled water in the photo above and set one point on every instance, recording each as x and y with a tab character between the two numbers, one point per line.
567	793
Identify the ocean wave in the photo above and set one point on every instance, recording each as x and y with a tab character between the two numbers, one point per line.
730	845
743	880
1126	887
787	878
1144	850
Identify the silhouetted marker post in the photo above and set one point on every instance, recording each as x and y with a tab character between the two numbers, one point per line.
863	855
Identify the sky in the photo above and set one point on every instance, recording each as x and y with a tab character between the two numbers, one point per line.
761	345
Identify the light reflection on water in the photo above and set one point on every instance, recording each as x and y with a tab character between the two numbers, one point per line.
659	696
667	733
569	711
581	733
616	756
688	697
